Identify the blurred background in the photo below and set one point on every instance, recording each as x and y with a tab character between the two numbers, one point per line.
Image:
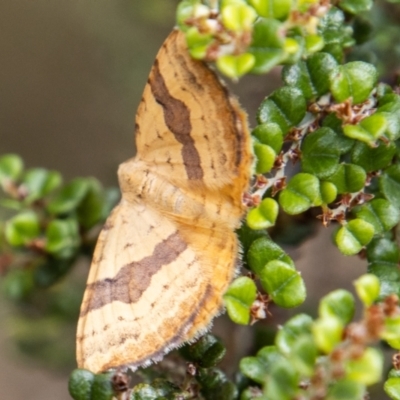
71	76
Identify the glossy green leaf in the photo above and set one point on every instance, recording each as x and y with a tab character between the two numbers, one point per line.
327	333
342	142
264	215
367	288
157	390
320	156
62	237
328	192
346	390
339	304
206	352
238	17
285	107
234	66
283	381
39	182
314	43
301	193
278	9
239	298
348	178
80	384
102	387
353	80
389	184
11	167
256	368
198	42
352	237
283	284
267	45
380	213
22	229
70	197
391	111
368	130
291	331
366	369
304	354
310	76
262	251
265	157
372	158
392	388
391	331
269	134
355	6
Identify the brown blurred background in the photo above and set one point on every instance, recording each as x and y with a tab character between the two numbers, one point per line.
71	77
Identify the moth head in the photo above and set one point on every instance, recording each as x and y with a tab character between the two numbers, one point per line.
132	176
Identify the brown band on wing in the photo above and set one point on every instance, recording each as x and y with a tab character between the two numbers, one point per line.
177	119
134	278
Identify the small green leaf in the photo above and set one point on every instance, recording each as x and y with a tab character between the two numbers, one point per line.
256	368
264	250
391	332
283	381
238	17
366	369
352	237
328	192
267	45
304	355
11	167
368	130
291	331
265	157
22	229
264	215
320	156
269	134
380	213
346	390
198	42
234	66
39	182
353	80
339	304
368	288
278	9
239	298
355	6
283	284
348	178
206	352
301	193
285	107
327	332
373	158
314	43
70	197
392	388
102	387
80	384
62	237
310	76
389	184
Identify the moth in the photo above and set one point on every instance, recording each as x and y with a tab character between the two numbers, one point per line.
168	251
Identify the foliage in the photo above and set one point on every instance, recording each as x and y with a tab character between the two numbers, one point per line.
341	129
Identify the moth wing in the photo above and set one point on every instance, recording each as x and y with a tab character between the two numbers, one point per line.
187	124
144	291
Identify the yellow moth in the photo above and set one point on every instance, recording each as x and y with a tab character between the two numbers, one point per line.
168	251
